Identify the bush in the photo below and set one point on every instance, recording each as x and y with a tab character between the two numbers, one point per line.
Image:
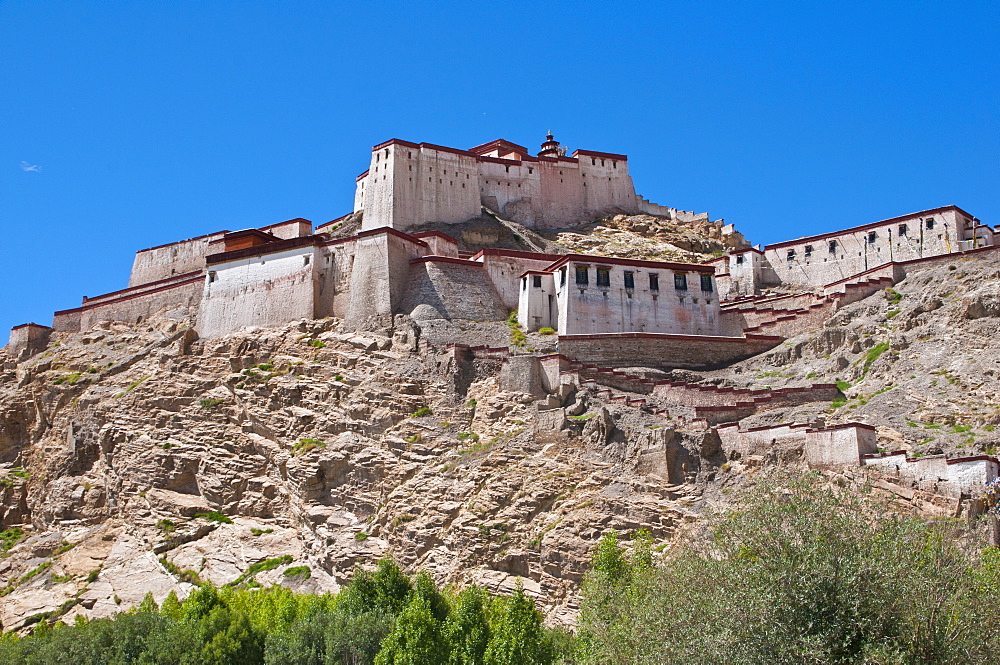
305	445
421	412
214	516
798	573
546	330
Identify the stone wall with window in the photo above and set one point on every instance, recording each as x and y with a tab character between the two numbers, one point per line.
603	295
823	259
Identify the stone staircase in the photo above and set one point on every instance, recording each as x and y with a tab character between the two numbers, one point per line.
683	401
792	314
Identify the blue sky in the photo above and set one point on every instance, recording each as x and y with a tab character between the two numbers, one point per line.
125	125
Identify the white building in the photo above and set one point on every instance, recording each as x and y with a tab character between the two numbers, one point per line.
413	184
582	295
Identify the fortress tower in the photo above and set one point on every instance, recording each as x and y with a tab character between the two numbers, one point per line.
408	185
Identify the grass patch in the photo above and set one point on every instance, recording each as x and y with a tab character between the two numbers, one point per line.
587	416
68	379
546	330
842	386
476	449
893	296
517	336
260	532
132	386
990	428
261	566
422	412
361	536
166	526
214	516
468	436
891	313
317	343
837	403
960	429
402	519
210	403
189	576
305	445
304	572
9	538
873	353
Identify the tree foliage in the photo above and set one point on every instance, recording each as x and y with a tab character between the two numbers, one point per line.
382	617
799	573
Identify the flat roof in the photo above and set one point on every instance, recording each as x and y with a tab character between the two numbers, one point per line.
660	265
871	225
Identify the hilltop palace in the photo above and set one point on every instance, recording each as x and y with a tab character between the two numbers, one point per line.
607	312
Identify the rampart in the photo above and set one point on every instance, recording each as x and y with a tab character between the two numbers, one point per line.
663	350
826	447
963	477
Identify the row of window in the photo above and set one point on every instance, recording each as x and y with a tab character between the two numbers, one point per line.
902	230
604	279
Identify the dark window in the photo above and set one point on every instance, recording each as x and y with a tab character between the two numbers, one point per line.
604	277
536	281
581	275
680	281
562	277
930	222
739	259
872	237
654	282
902	229
706	283
809	251
524	284
832	247
790	256
629	280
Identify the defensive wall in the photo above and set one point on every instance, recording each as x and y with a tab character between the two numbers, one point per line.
958	477
839	256
827	447
27	339
664	350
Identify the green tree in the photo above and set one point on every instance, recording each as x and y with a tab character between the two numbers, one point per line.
516	633
416	639
797	572
467	628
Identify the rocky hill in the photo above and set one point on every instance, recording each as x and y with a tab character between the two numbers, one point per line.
649	237
137	459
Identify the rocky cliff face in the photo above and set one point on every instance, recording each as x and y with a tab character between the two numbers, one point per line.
121	447
650	237
137	459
